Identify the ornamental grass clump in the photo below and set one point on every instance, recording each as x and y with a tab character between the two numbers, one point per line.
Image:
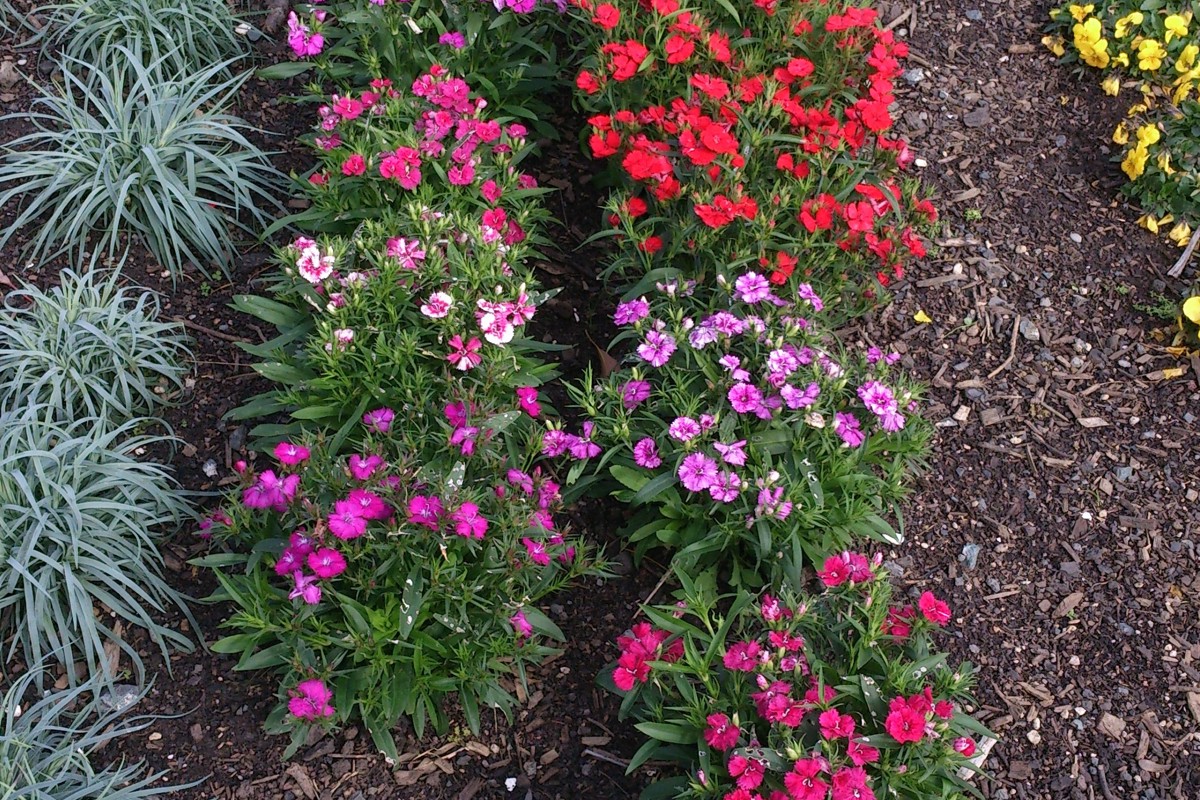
839	694
144	155
181	36
80	520
88	347
751	439
47	746
757	135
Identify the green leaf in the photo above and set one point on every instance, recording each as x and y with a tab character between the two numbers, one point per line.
410	602
631	478
669	732
653	488
282	70
278	314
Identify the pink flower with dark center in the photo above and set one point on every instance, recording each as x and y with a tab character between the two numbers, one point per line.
645	454
289	561
379	420
745	398
326	563
311	700
582	447
291	454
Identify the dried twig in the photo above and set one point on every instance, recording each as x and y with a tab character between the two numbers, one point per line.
1012	349
187	323
1177	270
605	756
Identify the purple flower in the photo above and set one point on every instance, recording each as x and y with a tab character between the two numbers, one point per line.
726	323
379	420
725	487
369	505
697	472
536	551
805	292
729	362
453	39
892	421
732	453
794	398
582	447
847	427
289	561
657	348
752	288
632	311
771	504
554	442
425	511
291	454
305	588
521	480
634	393
312	700
745	398
684	429
874	355
468	522
346	522
645	454
362	469
521	625
878	398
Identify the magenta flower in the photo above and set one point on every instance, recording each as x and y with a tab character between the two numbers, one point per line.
721	733
835	725
582	447
453	39
634	393
300	542
726	486
269	491
291	454
536	552
464	356
302	40
804	781
379	420
403	166
456	414
521	480
368	504
645	454
527	398
361	469
745	398
311	700
847	427
289	561
631	311
795	398
657	348
521	625
734	454
426	511
697	472
326	563
468	522
878	398
407	251
743	656
346	522
555	442
805	292
772	504
490	191
305	588
437	305
752	288
684	429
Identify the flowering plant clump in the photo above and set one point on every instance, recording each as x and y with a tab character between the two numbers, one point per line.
759	137
837	696
1156	49
504	46
755	441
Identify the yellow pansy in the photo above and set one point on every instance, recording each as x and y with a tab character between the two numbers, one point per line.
1120	134
1121	26
1187	58
1148	135
1080	13
1093	49
1122	59
1176	26
1164	162
1191	309
1135	109
1134	163
1150	55
1148	222
1111	85
1182	89
1180	234
1056	44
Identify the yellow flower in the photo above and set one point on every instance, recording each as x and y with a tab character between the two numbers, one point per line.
1080	13
1122	25
1134	163
1148	135
1191	309
1176	26
1164	162
1122	59
1187	58
1148	222
1093	49
1111	85
1150	55
1180	234
1120	134
1056	45
1182	89
1135	109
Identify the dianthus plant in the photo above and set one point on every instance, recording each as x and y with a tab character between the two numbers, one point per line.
382	582
754	442
834	696
503	46
760	137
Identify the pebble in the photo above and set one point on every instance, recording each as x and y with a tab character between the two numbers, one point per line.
1030	330
1123	473
210	468
120	697
1034	737
1125	629
913	76
1076	238
970	555
237	438
1060	140
975	15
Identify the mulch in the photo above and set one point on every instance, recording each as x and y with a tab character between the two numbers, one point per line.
1059	512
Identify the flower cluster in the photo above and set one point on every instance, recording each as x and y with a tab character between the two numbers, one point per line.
816	698
709	151
1158	51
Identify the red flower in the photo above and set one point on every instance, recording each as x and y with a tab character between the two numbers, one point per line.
718	47
719	140
604	145
606	16
626	59
354	165
651	244
665	7
635	207
904	723
678	49
717	214
964	746
586	82
936	611
748	772
710	85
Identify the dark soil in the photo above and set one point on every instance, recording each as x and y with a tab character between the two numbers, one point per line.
1063	454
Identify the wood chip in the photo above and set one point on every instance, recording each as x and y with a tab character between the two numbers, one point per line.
1092	422
1138	523
1193	701
1111	726
1068	604
304	783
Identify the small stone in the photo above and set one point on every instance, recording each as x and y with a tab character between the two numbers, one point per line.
970	555
1125	629
975	15
1076	238
1123	473
238	438
1034	737
913	76
210	468
1030	330
1060	140
978	117
120	697
1111	726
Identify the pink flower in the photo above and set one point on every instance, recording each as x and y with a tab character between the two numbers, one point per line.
847	427
527	399
346	522
354	165
645	454
850	783
312	265
368	504
795	398
347	107
326	563
456	414
536	552
861	753
835	725
361	469
305	588
721	734
752	288
748	771
291	454
934	610
468	522
302	41
725	487
964	746
403	166
437	305
490	191
745	398
904	723
379	420
521	625
554	442
684	429
657	348
463	438
289	561
311	700
407	251
631	311
634	393
734	454
743	656
582	447
697	472
464	356
425	510
803	783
